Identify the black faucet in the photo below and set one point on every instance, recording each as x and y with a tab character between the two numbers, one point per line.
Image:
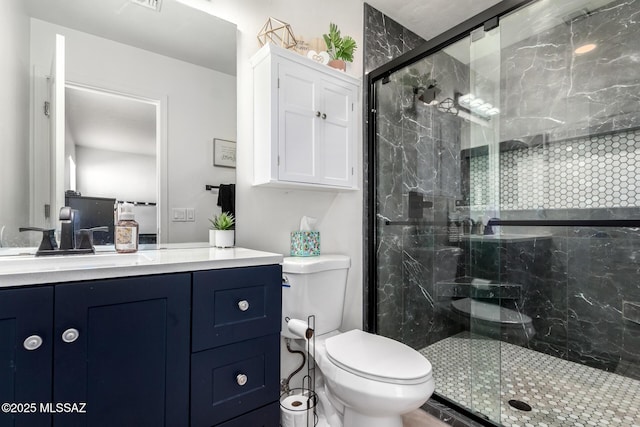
68	221
488	231
72	240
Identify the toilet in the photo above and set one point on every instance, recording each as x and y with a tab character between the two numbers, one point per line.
365	380
494	321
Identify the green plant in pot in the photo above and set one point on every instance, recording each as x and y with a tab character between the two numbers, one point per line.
221	234
340	49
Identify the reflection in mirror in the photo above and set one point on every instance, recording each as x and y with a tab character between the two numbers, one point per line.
108	132
133	98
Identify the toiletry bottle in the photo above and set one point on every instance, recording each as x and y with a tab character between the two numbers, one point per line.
126	238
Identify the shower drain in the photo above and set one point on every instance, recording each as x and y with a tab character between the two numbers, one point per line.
518	404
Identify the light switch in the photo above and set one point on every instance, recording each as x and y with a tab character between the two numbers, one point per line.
191	215
178	214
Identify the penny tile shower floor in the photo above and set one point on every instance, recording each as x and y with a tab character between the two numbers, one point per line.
561	393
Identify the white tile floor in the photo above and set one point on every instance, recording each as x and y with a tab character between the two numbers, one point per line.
484	374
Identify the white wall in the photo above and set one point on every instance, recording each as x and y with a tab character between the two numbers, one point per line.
199	106
14	121
266	216
114	174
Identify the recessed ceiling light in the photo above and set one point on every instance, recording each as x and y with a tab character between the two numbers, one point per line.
585	48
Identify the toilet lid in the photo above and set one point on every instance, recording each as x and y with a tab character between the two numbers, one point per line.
489	312
378	358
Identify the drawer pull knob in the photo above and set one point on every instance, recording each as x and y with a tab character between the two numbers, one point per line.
243	305
241	379
32	342
70	335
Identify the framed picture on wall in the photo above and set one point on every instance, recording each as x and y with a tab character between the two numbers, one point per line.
224	153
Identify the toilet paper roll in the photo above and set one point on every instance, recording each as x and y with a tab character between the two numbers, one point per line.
295	412
299	328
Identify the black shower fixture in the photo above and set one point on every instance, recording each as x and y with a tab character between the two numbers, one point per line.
430	93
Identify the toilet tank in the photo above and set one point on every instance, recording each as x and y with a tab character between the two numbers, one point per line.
314	286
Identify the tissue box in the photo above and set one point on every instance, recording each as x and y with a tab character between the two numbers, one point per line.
305	243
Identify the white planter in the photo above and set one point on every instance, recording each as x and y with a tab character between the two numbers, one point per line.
212	238
224	238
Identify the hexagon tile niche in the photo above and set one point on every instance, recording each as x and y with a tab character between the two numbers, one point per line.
589	172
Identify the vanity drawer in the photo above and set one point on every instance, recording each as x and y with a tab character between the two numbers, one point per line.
269	416
228	381
234	305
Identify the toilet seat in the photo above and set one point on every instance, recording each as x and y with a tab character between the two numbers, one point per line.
377	358
491	313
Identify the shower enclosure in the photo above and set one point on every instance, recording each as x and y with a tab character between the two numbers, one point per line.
504	216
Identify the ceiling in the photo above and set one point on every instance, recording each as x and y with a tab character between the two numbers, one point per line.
104	121
177	31
428	18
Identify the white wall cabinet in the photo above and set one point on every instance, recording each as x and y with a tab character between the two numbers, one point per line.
304	122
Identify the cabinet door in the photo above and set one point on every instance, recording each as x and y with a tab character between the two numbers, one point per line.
337	140
297	123
25	375
130	360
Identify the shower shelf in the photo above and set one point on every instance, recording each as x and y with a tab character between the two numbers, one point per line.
622	223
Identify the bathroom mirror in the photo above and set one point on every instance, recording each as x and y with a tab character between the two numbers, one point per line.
117	100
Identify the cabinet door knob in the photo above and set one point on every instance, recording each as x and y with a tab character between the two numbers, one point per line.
317	113
32	342
70	335
324	116
241	379
243	305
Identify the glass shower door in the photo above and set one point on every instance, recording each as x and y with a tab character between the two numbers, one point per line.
484	247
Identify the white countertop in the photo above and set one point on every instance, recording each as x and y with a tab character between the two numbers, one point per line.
21	270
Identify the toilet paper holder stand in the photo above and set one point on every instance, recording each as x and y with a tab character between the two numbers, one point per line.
309	399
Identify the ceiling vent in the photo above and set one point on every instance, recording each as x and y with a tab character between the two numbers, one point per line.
149	4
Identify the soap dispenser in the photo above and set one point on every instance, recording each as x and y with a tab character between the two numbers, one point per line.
126	230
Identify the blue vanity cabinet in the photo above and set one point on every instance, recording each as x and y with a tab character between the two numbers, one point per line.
26	347
195	348
235	365
122	346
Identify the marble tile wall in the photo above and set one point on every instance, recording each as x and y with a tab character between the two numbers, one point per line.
576	301
384	40
547	89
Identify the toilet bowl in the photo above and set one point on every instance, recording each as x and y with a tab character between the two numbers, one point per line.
494	321
376	378
369	380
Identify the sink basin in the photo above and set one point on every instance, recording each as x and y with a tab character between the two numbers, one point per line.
21	264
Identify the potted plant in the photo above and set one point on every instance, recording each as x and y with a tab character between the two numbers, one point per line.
221	234
340	49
